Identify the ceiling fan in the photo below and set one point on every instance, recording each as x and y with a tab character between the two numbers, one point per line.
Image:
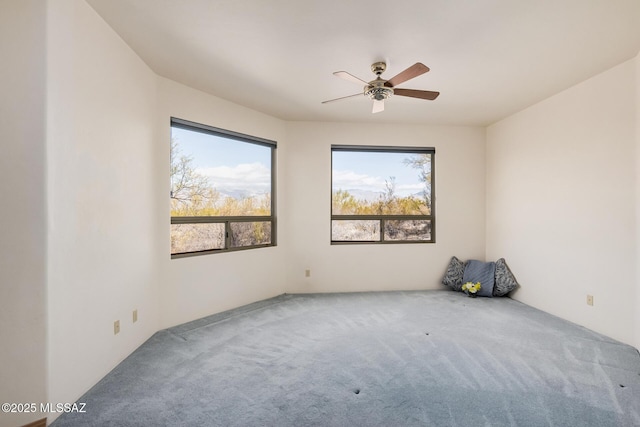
379	89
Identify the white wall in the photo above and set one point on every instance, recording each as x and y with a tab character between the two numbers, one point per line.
199	286
561	202
459	208
104	226
22	212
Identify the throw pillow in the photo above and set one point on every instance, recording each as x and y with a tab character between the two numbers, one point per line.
505	281
483	272
453	277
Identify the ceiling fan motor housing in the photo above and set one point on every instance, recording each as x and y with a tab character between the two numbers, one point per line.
378	68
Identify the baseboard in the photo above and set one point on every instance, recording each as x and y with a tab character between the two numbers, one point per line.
37	423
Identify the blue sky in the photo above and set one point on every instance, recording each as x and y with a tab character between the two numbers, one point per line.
367	171
210	151
230	165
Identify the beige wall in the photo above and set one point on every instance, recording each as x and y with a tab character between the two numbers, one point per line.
459	207
561	200
104	227
195	287
22	216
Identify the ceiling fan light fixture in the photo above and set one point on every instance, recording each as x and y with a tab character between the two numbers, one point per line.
378	92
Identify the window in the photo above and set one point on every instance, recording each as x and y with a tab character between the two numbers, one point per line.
382	195
222	190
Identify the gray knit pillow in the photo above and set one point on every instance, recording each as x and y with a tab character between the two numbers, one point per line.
453	277
505	281
483	272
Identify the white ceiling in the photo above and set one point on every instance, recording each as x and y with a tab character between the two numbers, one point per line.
488	58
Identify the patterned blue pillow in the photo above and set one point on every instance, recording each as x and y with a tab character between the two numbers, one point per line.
483	272
453	277
505	281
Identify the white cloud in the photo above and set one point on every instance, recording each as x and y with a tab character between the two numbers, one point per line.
351	180
409	188
253	177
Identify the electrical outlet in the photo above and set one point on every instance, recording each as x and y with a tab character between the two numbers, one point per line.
589	299
135	315
116	327
307	273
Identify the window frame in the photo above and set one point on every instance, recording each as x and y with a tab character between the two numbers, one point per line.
228	220
382	218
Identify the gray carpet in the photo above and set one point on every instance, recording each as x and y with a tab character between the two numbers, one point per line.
429	358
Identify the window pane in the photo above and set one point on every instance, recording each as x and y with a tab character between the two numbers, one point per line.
250	233
381	183
216	176
407	230
196	237
355	230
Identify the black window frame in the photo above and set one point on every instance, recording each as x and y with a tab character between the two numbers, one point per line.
228	220
383	217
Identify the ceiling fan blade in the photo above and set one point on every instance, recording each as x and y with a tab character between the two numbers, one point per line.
378	106
344	97
413	93
350	77
415	70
